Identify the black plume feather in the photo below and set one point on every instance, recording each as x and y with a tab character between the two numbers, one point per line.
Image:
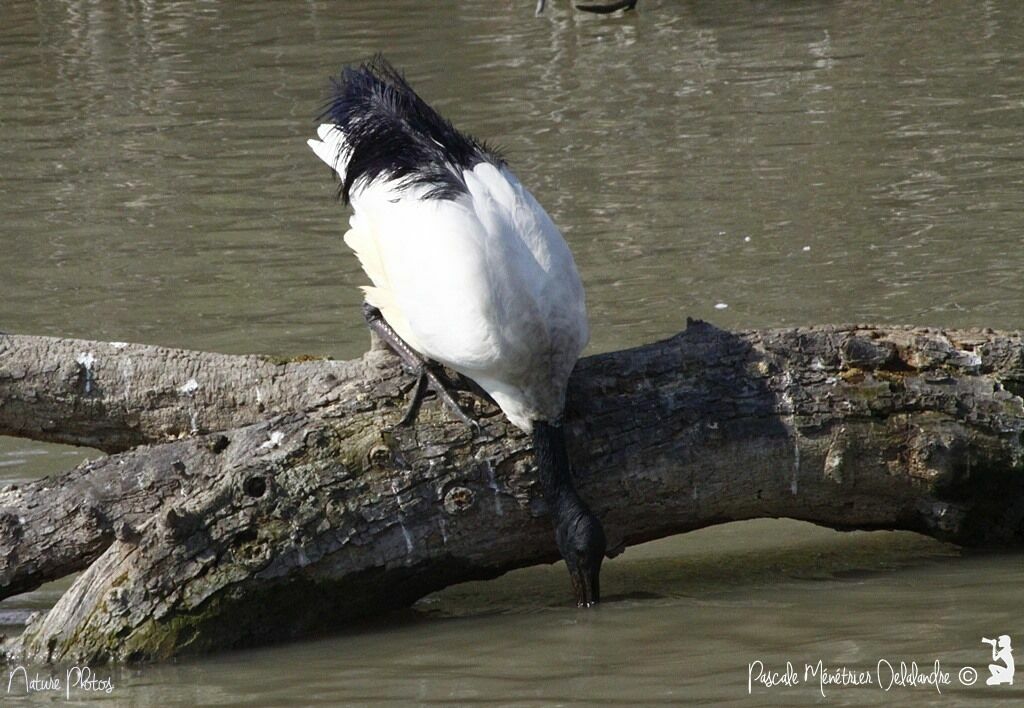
391	133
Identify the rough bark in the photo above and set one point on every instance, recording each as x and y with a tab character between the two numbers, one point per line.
114	396
259	527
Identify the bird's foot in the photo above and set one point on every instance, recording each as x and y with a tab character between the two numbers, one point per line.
428	379
423	370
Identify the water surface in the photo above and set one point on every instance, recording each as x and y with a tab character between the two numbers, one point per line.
750	163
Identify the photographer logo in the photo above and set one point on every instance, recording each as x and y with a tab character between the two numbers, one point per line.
1002	653
886	674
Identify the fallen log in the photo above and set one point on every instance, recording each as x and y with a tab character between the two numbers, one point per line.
250	500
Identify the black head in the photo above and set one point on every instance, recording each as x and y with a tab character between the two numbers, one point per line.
582	543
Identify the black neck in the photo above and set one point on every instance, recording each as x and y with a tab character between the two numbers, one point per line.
553	466
578	533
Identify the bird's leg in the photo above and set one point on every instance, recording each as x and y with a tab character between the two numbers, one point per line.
419	367
415	400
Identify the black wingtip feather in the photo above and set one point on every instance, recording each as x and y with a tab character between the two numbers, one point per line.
394	135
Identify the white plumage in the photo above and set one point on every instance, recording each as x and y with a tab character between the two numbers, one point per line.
483	283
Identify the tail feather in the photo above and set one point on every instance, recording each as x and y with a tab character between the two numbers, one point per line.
362	240
330	148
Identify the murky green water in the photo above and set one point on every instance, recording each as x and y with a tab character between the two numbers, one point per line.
798	162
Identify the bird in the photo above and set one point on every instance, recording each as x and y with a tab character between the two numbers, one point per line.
467	271
600	9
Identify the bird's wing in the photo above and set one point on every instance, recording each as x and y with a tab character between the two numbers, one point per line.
433	272
484	283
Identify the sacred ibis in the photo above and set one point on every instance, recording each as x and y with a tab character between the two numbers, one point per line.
468	271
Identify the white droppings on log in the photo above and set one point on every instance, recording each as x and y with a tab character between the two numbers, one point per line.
790	408
401	517
968	359
86	360
834	462
405	535
275	440
119	345
189	387
127	373
492	482
796	462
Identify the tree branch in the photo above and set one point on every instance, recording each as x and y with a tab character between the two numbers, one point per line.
114	396
326	515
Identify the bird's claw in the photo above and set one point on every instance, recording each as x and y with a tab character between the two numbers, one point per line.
427	379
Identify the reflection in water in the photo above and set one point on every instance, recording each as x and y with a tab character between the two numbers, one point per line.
799	162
